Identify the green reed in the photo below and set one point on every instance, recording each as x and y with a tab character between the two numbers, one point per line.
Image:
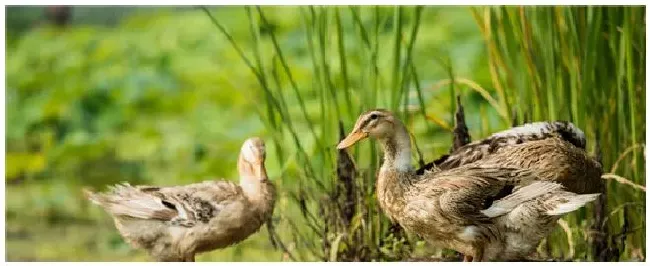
341	96
585	65
582	64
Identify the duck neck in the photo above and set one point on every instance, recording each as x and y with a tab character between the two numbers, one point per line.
260	193
395	175
257	188
397	150
251	186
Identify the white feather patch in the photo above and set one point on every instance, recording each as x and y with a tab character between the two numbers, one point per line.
542	128
575	202
469	233
505	205
248	151
495	211
403	161
525	129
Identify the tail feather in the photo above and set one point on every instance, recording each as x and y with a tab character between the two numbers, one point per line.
91	195
573	203
520	196
125	200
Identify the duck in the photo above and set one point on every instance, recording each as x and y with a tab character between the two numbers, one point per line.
175	223
495	208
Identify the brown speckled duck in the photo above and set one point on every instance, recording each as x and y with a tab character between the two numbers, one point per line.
495	208
176	223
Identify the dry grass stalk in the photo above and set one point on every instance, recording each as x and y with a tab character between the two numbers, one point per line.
626	152
567	229
622	180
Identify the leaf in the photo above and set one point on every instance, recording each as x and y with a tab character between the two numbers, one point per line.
18	163
357	221
334	250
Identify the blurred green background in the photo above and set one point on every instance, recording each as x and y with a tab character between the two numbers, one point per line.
157	95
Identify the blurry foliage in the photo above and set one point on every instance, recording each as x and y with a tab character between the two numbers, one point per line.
146	102
96	94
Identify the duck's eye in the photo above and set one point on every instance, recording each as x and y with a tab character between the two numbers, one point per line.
373	116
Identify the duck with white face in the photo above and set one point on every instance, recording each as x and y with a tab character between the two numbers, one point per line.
478	208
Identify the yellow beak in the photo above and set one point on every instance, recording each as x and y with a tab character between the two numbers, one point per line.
351	139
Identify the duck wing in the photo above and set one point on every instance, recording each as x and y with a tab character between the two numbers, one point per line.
480	149
453	201
181	205
527	221
202	201
464	191
126	200
543	210
555	160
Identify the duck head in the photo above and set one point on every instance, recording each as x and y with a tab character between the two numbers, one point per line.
379	124
252	157
389	131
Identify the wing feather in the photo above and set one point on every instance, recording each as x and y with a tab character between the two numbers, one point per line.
126	200
184	205
536	131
